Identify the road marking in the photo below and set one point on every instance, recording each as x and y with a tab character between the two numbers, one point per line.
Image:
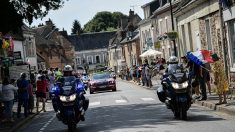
45	125
94	103
120	101
147	99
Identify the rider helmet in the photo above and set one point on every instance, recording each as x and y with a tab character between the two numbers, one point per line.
68	70
23	75
173	60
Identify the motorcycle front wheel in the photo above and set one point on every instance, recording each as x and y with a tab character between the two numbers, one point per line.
71	127
183	113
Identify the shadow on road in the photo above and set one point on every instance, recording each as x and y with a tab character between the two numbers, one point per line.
110	118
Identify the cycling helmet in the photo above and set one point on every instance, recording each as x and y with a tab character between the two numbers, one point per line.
173	60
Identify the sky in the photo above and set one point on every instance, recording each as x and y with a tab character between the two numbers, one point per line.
85	10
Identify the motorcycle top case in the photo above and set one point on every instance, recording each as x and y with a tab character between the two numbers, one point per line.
161	94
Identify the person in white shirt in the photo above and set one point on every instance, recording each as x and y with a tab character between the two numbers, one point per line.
7	92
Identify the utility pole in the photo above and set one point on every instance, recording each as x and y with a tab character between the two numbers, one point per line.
173	27
223	38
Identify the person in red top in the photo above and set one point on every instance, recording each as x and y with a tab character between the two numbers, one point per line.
41	92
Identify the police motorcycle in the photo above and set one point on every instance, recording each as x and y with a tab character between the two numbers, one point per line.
175	91
68	100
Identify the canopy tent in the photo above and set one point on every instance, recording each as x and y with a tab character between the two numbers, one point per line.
150	52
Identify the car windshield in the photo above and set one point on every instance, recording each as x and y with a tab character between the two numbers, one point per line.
100	76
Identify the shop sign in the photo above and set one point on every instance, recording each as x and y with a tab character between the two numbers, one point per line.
17	55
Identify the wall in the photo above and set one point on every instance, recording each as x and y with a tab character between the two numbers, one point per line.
18	46
192	16
101	52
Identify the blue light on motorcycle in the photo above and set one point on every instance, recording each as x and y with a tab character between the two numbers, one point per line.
79	86
55	88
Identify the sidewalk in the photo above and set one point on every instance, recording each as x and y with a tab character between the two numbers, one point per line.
228	108
212	99
12	127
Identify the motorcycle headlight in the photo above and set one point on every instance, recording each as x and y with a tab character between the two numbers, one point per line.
68	98
185	84
180	86
175	85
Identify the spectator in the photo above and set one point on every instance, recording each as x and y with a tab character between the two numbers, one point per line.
221	80
207	77
143	77
8	91
148	75
134	73
38	75
139	70
23	95
41	92
31	97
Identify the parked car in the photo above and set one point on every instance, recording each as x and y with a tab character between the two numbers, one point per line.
101	81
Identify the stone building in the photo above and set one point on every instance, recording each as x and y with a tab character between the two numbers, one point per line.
53	47
131	49
115	53
198	25
91	48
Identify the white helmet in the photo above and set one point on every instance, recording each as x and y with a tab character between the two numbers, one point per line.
173	59
68	68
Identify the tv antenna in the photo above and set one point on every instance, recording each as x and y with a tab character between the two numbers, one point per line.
133	6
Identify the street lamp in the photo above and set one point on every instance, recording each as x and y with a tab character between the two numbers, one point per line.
173	28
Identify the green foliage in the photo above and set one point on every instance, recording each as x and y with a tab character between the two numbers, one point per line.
76	27
13	12
103	21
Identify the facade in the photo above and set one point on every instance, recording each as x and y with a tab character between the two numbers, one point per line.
115	55
229	19
162	24
29	48
131	49
146	26
91	48
53	47
199	26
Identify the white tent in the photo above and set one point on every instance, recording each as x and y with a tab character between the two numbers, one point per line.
151	52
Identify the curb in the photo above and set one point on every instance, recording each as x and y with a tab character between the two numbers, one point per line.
23	122
212	106
148	88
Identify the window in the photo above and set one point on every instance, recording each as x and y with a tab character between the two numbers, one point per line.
160	26
166	23
208	34
78	60
97	59
29	48
232	39
89	59
190	37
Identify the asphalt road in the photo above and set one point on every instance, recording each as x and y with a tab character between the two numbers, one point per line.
133	109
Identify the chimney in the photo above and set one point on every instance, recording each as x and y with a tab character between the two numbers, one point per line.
131	13
50	23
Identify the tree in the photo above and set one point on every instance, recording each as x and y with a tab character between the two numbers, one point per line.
103	21
76	27
13	12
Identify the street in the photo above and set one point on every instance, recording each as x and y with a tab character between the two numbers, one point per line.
133	108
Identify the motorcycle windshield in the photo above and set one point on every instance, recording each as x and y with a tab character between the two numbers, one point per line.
178	77
71	85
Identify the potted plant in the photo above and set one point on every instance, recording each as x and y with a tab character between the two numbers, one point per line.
172	35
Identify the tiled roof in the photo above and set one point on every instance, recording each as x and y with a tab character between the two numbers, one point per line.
89	41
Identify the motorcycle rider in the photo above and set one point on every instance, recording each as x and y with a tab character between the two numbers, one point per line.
68	72
173	64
